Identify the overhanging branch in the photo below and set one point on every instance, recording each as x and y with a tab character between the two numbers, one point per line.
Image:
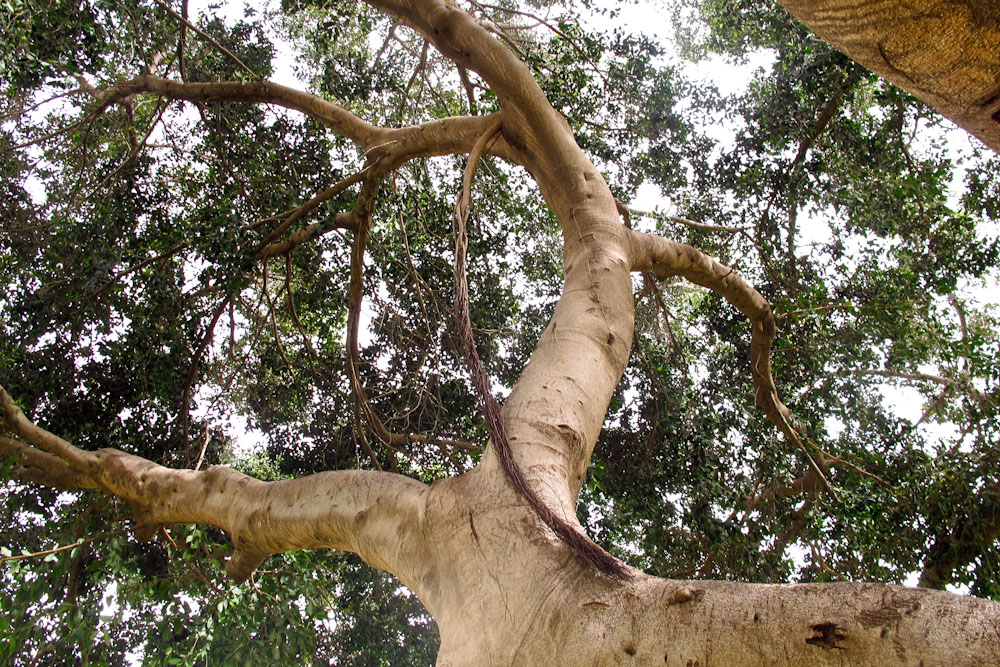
376	515
664	258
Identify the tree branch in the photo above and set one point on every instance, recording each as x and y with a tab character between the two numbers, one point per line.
917	377
65	547
375	515
681	221
665	258
204	35
34	465
333	116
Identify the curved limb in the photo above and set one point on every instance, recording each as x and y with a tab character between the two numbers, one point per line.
664	258
389	146
376	515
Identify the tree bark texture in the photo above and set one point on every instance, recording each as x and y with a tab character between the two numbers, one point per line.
946	52
500	585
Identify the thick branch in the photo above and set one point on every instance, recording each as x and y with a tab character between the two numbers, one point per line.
389	146
538	132
37	466
376	515
581	546
12	419
946	53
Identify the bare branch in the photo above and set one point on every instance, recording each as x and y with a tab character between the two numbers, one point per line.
656	215
923	377
193	373
470	91
40	467
340	221
824	118
66	547
336	117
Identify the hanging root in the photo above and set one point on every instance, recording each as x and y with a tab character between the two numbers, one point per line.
581	546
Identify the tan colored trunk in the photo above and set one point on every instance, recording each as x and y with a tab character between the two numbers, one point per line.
503	594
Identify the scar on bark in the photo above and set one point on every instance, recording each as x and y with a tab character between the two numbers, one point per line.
579	544
679	596
827	635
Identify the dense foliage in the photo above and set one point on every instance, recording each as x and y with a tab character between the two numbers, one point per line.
136	314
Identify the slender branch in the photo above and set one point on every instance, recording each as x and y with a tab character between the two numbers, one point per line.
193	373
682	221
180	247
363	406
811	482
825	116
973	534
313	357
290	217
924	377
67	547
208	38
817	309
182	41
666	258
470	91
385	44
272	316
201	452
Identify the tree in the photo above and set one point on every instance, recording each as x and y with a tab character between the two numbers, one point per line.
160	226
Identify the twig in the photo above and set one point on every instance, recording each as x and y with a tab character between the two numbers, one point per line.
201	454
66	547
684	221
296	213
211	40
192	373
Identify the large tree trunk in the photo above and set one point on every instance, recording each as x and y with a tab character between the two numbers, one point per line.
946	52
501	586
